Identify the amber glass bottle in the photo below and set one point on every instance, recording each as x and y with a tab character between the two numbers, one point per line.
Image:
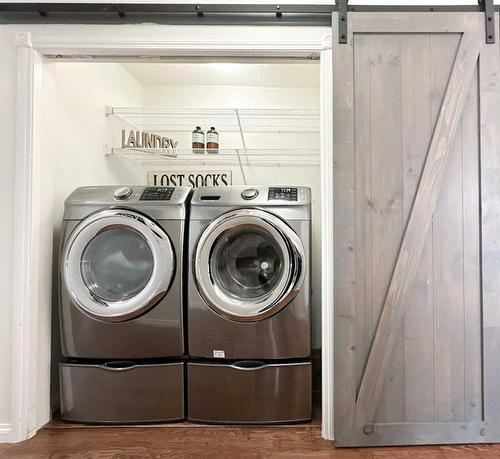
198	141
212	141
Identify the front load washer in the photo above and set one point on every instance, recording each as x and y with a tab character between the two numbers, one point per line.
249	329
121	304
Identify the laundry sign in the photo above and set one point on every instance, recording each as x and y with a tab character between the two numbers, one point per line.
189	178
143	139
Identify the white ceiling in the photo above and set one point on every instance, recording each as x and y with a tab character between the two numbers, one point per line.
286	75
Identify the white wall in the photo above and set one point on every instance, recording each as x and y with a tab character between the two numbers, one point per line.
8	85
76	128
221	96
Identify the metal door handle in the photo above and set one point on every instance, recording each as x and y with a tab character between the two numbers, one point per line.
248	364
117	365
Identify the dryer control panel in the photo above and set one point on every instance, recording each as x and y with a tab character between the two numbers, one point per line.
288	202
157	194
248	195
158	202
282	194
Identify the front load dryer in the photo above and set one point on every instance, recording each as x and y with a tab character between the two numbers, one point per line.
249	329
121	304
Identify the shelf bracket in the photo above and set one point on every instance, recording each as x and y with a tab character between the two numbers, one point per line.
236	111
489	20
342	15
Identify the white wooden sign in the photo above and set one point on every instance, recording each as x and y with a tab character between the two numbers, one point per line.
189	178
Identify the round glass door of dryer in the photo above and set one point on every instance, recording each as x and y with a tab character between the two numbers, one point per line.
117	264
249	264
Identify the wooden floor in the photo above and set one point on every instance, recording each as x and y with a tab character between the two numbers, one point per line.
214	442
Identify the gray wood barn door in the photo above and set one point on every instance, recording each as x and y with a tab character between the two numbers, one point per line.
417	230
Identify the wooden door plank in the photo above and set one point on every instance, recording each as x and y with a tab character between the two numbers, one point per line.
365	327
417	326
489	123
385	206
447	237
416	231
472	255
344	240
419	433
416	22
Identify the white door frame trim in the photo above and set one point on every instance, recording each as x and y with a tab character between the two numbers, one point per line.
24	363
29	413
327	294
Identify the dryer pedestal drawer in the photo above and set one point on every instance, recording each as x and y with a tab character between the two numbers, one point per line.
122	392
249	392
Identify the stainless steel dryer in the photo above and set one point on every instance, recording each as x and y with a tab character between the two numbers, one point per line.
121	304
249	327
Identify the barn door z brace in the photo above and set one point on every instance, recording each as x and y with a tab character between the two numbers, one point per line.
486	5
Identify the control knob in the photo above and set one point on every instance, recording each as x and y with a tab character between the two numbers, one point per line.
250	193
122	193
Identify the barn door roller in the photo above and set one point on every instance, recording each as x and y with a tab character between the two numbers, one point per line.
489	18
342	14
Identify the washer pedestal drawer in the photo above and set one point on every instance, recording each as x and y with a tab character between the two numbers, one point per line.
249	392
122	392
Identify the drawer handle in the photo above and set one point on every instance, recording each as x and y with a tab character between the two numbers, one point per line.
118	365
248	364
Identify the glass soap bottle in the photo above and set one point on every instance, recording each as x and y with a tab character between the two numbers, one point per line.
198	141
212	141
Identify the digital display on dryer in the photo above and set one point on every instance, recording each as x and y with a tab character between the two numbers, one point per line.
282	194
154	193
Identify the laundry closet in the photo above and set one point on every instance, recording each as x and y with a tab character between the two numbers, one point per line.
133	123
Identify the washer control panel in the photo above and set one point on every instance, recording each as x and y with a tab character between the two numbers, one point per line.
122	193
249	193
282	194
154	193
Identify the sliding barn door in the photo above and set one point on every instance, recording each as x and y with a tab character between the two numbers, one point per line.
417	230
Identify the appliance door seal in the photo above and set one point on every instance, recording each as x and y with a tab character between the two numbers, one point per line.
117	264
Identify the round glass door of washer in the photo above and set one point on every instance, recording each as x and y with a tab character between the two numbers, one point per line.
117	264
248	265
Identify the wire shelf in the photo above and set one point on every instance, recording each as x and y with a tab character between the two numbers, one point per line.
226	157
241	121
226	120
